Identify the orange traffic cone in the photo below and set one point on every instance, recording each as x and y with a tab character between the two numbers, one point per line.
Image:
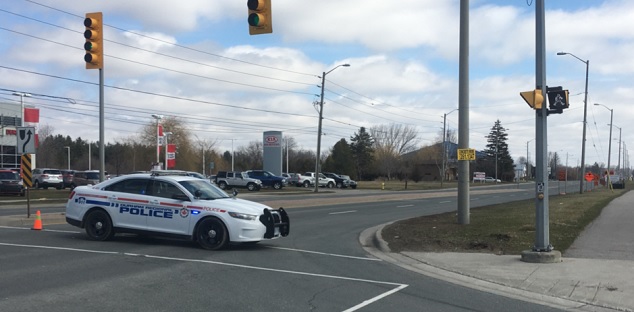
37	225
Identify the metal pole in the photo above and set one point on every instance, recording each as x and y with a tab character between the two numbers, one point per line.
102	148
542	240
231	154
444	149
583	140
68	150
618	164
463	114
321	110
610	147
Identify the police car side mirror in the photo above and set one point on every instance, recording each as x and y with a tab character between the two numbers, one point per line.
234	193
198	193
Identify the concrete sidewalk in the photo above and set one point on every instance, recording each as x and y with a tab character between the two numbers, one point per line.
600	276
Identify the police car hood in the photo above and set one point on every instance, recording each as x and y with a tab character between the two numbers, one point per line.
237	205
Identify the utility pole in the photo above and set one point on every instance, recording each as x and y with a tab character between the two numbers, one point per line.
463	114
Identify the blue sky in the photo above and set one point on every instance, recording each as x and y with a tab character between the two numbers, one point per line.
403	56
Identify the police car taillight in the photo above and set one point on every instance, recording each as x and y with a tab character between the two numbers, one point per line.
72	193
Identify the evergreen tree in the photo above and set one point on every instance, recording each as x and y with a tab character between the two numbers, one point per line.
362	152
340	160
497	157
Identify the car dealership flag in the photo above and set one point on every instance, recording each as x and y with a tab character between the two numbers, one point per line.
171	156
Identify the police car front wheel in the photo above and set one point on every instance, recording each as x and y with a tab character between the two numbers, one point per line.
99	226
212	234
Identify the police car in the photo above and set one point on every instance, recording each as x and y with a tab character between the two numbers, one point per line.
178	206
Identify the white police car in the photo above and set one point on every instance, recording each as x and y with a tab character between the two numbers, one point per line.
179	206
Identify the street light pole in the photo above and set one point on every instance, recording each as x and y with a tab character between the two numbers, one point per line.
22	95
321	111
68	152
444	146
528	170
585	115
609	144
158	143
618	163
166	135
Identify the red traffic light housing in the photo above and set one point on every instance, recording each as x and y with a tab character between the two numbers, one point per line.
259	19
94	40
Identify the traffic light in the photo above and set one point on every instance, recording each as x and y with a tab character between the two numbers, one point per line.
260	21
94	40
534	98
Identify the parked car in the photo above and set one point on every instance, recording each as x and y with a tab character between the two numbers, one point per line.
230	179
178	206
89	177
196	175
268	179
11	183
339	181
322	181
351	183
67	177
492	179
47	177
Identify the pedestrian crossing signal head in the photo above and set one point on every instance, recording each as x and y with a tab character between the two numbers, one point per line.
533	98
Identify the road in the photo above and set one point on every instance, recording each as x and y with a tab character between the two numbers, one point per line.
320	267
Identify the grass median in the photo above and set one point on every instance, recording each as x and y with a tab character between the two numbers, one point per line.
507	228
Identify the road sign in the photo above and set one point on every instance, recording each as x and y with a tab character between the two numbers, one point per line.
466	154
25	170
589	176
26	140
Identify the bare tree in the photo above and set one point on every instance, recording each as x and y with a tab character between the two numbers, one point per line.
390	142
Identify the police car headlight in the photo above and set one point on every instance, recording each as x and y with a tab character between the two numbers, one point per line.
243	216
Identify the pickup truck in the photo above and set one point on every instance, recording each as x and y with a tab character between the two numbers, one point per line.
322	181
230	179
268	179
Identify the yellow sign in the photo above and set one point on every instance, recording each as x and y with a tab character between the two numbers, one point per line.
466	154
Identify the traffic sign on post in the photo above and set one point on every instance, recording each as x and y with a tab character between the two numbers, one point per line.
466	154
25	170
26	140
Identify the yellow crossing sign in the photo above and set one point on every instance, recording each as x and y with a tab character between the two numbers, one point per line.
466	154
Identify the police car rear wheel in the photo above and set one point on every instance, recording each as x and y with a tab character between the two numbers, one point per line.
212	234
99	226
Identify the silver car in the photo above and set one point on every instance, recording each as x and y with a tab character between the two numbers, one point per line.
46	177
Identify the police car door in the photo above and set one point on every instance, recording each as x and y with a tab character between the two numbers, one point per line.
168	215
128	203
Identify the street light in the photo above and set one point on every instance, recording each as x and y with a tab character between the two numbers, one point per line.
158	142
321	112
618	163
444	146
166	134
585	114
22	95
528	169
68	150
610	142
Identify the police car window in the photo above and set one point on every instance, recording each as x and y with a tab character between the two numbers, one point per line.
165	189
134	186
207	190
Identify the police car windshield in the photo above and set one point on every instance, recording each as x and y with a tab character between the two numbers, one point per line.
207	190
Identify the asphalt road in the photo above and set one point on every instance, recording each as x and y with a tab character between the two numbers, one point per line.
319	267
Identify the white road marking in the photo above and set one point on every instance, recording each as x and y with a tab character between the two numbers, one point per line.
403	206
354	308
324	253
342	212
445	202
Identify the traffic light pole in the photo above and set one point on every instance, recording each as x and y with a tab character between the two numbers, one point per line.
102	150
542	251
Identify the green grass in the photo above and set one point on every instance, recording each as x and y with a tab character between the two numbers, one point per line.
502	229
37	195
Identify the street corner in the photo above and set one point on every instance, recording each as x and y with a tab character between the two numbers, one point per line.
23	220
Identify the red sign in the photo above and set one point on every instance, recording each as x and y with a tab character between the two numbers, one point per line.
171	155
589	176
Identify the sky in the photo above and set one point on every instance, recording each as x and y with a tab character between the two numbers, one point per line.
195	60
